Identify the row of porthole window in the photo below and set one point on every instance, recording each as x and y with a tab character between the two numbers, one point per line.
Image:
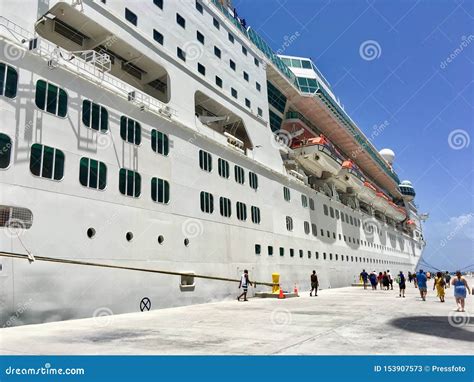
205	163
270	252
91	233
314	231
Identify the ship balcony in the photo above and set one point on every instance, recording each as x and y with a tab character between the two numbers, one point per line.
75	36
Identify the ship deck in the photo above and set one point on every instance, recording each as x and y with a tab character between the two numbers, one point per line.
339	321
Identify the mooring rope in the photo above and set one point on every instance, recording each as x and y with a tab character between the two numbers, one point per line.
101	265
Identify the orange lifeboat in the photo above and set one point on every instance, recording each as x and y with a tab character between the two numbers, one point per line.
367	193
351	175
317	155
381	202
395	212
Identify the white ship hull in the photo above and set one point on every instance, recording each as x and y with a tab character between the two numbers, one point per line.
64	210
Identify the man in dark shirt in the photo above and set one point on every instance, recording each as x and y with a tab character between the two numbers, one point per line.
314	284
364	276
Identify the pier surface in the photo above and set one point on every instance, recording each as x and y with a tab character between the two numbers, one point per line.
339	321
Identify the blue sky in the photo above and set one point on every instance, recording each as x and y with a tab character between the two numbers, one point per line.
420	80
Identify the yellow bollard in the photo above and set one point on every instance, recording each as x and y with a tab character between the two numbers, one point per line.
275	280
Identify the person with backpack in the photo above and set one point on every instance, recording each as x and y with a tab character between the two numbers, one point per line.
439	284
401	280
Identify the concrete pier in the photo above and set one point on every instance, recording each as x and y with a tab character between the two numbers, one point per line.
339	321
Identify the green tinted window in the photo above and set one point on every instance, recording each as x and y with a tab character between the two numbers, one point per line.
275	121
276	98
295	63
8	81
130	130
130	182
207	202
92	173
205	160
95	116
5	150
50	98
160	190
159	142
47	162
223	168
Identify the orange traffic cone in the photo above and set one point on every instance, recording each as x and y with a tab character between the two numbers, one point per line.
281	295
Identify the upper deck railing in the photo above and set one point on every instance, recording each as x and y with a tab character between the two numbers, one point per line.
88	64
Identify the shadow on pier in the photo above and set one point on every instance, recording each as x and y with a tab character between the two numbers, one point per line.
457	327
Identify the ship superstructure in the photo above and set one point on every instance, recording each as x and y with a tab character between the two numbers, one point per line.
168	135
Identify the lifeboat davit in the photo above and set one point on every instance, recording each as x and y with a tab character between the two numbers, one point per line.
351	176
367	193
317	155
381	202
395	212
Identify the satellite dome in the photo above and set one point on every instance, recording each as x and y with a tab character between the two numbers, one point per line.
388	155
406	183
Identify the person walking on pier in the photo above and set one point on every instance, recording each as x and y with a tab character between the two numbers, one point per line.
390	279
447	278
314	284
244	284
421	281
385	281
380	280
373	280
460	290
439	284
364	276
401	284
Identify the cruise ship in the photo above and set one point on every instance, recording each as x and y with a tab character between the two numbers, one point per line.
168	135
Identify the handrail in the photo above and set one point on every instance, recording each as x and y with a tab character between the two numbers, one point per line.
92	70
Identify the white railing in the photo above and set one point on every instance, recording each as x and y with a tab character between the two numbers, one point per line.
88	64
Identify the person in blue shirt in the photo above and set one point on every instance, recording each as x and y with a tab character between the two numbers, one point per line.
364	277
421	280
